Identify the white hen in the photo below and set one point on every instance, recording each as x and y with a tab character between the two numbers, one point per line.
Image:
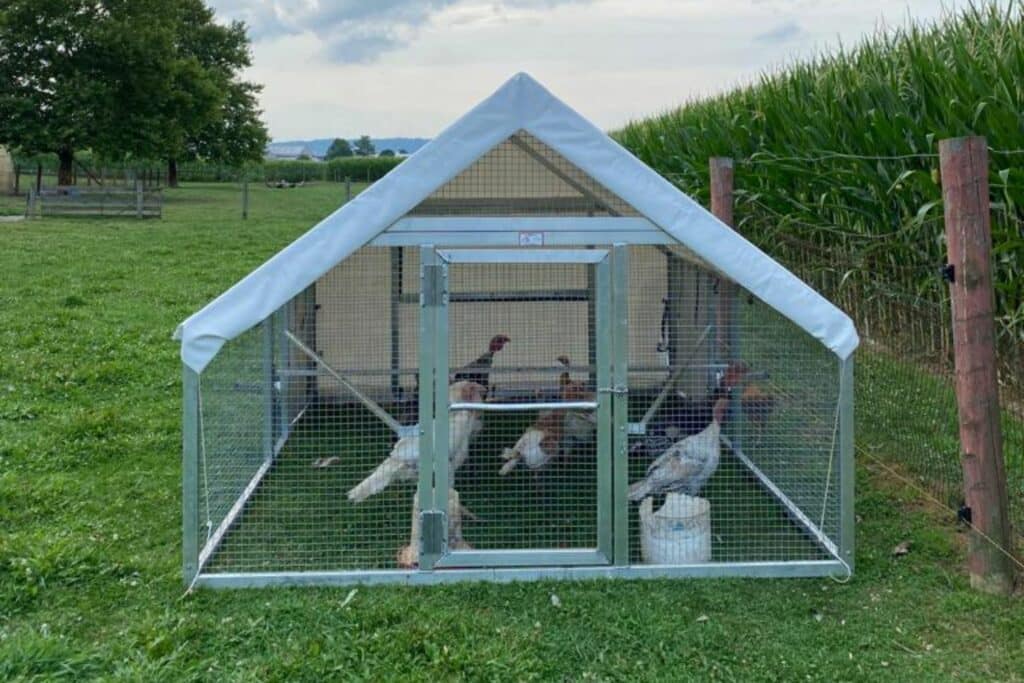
403	462
687	465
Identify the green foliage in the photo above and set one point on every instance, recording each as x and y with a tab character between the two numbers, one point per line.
360	169
387	153
339	148
90	455
81	73
815	179
142	79
209	110
363	147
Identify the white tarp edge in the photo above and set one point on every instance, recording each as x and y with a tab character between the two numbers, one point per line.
521	103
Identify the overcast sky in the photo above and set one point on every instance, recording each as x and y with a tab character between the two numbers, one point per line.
410	67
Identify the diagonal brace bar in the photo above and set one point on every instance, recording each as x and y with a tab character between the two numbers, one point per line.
374	407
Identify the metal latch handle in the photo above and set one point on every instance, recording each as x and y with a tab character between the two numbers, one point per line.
617	389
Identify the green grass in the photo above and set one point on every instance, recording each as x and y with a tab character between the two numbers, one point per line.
90	496
299	518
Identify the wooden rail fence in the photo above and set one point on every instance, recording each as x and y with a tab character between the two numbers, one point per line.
140	202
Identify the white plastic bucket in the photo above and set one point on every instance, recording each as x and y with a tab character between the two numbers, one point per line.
679	532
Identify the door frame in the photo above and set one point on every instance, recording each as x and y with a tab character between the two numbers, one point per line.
610	396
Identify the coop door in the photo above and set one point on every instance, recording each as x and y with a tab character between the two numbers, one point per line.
520	344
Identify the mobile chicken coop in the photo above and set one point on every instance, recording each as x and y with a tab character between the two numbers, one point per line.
521	354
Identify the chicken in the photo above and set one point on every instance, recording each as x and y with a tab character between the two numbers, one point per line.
479	371
402	464
757	405
538	445
688	464
408	555
680	417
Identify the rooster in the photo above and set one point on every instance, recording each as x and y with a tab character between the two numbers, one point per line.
479	371
680	416
402	464
408	555
688	464
538	445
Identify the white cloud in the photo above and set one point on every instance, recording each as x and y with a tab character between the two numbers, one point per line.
399	67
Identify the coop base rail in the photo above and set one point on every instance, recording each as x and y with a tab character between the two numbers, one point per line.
802	569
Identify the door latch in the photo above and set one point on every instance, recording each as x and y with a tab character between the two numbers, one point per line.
617	389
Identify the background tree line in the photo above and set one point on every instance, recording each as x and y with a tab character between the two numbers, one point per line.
126	79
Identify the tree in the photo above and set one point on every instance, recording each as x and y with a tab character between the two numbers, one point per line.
83	73
387	153
364	147
237	135
338	148
209	98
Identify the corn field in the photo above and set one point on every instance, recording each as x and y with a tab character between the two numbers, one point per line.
837	175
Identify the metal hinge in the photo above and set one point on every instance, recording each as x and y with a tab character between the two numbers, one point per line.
433	285
432	526
617	389
948	273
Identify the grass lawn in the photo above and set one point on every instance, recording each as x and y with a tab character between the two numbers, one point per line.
90	581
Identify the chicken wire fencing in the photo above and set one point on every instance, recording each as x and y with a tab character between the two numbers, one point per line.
620	410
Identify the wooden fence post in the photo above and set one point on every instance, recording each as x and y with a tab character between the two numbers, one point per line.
964	168
721	169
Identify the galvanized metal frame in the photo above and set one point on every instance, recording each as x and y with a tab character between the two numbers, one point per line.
601	311
799	569
520	565
516	224
620	401
507	232
428	337
191	446
523	255
437	457
847	518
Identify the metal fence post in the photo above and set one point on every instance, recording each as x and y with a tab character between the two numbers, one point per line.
965	193
138	198
348	189
245	199
721	169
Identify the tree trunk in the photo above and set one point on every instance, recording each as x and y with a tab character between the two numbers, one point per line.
172	172
67	157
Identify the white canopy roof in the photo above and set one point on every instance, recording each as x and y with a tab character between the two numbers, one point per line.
520	104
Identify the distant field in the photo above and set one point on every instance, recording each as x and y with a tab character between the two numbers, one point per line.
90	582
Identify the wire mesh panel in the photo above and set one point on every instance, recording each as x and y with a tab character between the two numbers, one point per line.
522	176
299	412
737	457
